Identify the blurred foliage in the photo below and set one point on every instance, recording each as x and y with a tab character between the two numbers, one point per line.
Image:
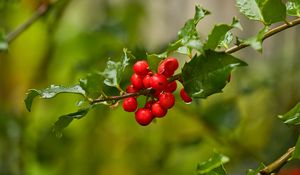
77	37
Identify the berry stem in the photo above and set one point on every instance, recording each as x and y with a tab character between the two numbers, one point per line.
119	97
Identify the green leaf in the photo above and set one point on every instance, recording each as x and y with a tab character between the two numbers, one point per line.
154	59
207	74
256	41
293	8
114	70
218	35
296	153
292	117
250	9
214	165
65	120
267	11
226	40
51	92
257	170
93	84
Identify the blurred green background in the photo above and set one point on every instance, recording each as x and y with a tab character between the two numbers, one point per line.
76	37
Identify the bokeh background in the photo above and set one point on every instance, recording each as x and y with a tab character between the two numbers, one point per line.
76	37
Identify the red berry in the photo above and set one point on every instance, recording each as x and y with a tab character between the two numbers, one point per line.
131	89
184	96
162	70
171	87
171	64
166	100
141	68
156	93
146	81
157	110
143	116
130	104
149	104
158	82
137	81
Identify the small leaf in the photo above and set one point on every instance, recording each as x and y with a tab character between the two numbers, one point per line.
296	153
250	9
65	120
257	170
292	117
266	11
293	8
114	70
51	92
256	41
92	84
207	74
226	40
214	165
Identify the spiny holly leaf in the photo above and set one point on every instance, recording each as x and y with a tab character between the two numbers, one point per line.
114	70
213	166
208	74
51	92
188	39
266	11
65	120
296	153
256	41
93	84
292	117
218	33
257	170
293	7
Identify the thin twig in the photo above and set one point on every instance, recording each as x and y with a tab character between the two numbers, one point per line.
39	12
112	98
267	34
277	164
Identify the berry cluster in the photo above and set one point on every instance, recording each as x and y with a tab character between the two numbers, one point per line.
161	99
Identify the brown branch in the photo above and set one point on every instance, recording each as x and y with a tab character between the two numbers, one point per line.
267	34
112	98
277	164
20	29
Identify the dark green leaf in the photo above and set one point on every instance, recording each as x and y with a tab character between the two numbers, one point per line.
256	41
207	74
65	120
214	165
256	171
220	34
216	36
267	11
292	117
93	84
293	7
51	92
272	11
296	153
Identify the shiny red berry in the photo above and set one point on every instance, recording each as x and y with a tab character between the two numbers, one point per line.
131	89
137	81
171	87
184	96
146	81
166	100
157	110
149	104
141	67
143	116
158	82
162	70
171	64
130	104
